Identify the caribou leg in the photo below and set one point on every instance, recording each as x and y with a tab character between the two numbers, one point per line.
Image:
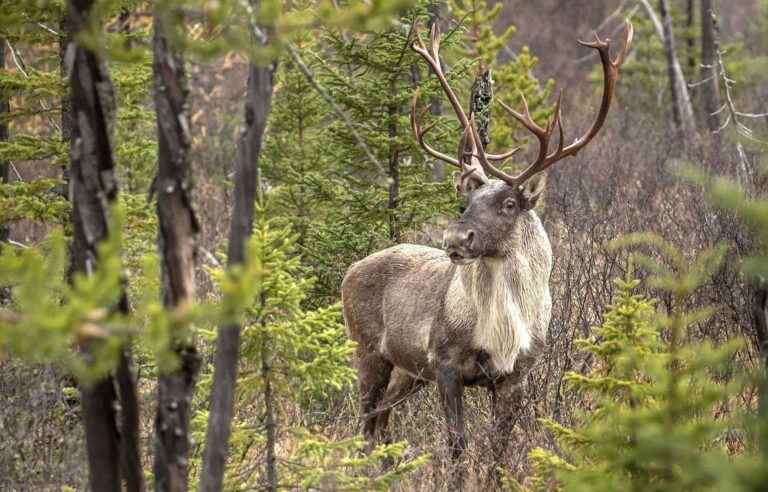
506	401
451	388
401	386
373	377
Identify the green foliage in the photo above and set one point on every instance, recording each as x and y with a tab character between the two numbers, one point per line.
323	182
753	211
512	79
290	354
34	200
656	393
50	317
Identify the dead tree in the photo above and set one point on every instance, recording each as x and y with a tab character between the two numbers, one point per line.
178	229
257	107
112	454
710	96
682	109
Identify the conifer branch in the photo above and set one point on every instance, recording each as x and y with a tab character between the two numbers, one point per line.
336	108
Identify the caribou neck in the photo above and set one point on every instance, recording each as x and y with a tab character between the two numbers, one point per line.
506	294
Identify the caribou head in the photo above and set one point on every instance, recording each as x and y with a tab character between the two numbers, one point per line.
494	204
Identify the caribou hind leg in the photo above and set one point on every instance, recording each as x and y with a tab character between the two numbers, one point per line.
374	372
401	386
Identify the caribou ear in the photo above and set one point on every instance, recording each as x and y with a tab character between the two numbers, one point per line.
531	191
469	184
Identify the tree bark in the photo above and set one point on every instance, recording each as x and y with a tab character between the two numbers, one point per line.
436	102
393	170
5	231
682	110
112	455
710	96
270	422
257	107
178	228
690	16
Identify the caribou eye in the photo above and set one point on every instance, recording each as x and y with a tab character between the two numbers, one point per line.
510	204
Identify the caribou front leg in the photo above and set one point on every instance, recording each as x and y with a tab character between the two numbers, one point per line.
451	387
506	398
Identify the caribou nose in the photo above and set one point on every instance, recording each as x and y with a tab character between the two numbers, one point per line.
458	238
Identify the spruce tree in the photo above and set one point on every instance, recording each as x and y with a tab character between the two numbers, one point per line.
655	392
291	357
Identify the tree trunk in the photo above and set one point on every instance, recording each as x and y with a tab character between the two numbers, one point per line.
112	454
690	16
270	422
710	96
394	169
65	39
178	228
436	102
690	47
257	107
682	110
5	168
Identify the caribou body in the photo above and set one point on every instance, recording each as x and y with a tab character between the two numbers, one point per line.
477	311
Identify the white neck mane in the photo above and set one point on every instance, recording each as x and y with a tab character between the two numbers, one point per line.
510	295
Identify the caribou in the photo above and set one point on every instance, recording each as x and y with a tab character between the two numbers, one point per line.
475	313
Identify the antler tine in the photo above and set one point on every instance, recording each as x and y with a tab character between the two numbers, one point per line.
610	76
525	118
432	57
559	118
434	39
629	33
419	132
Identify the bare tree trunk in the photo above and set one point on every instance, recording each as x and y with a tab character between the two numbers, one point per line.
690	47
177	243
682	110
710	96
65	40
112	454
257	107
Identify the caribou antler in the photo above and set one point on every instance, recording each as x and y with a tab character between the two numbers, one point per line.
432	57
544	135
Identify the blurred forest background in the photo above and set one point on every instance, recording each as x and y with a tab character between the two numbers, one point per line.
132	132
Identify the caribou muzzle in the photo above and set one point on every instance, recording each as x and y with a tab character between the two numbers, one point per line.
461	244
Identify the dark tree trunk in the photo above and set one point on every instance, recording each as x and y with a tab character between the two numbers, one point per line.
710	96
112	454
177	244
393	170
682	110
690	47
5	231
257	107
65	39
436	102
690	16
